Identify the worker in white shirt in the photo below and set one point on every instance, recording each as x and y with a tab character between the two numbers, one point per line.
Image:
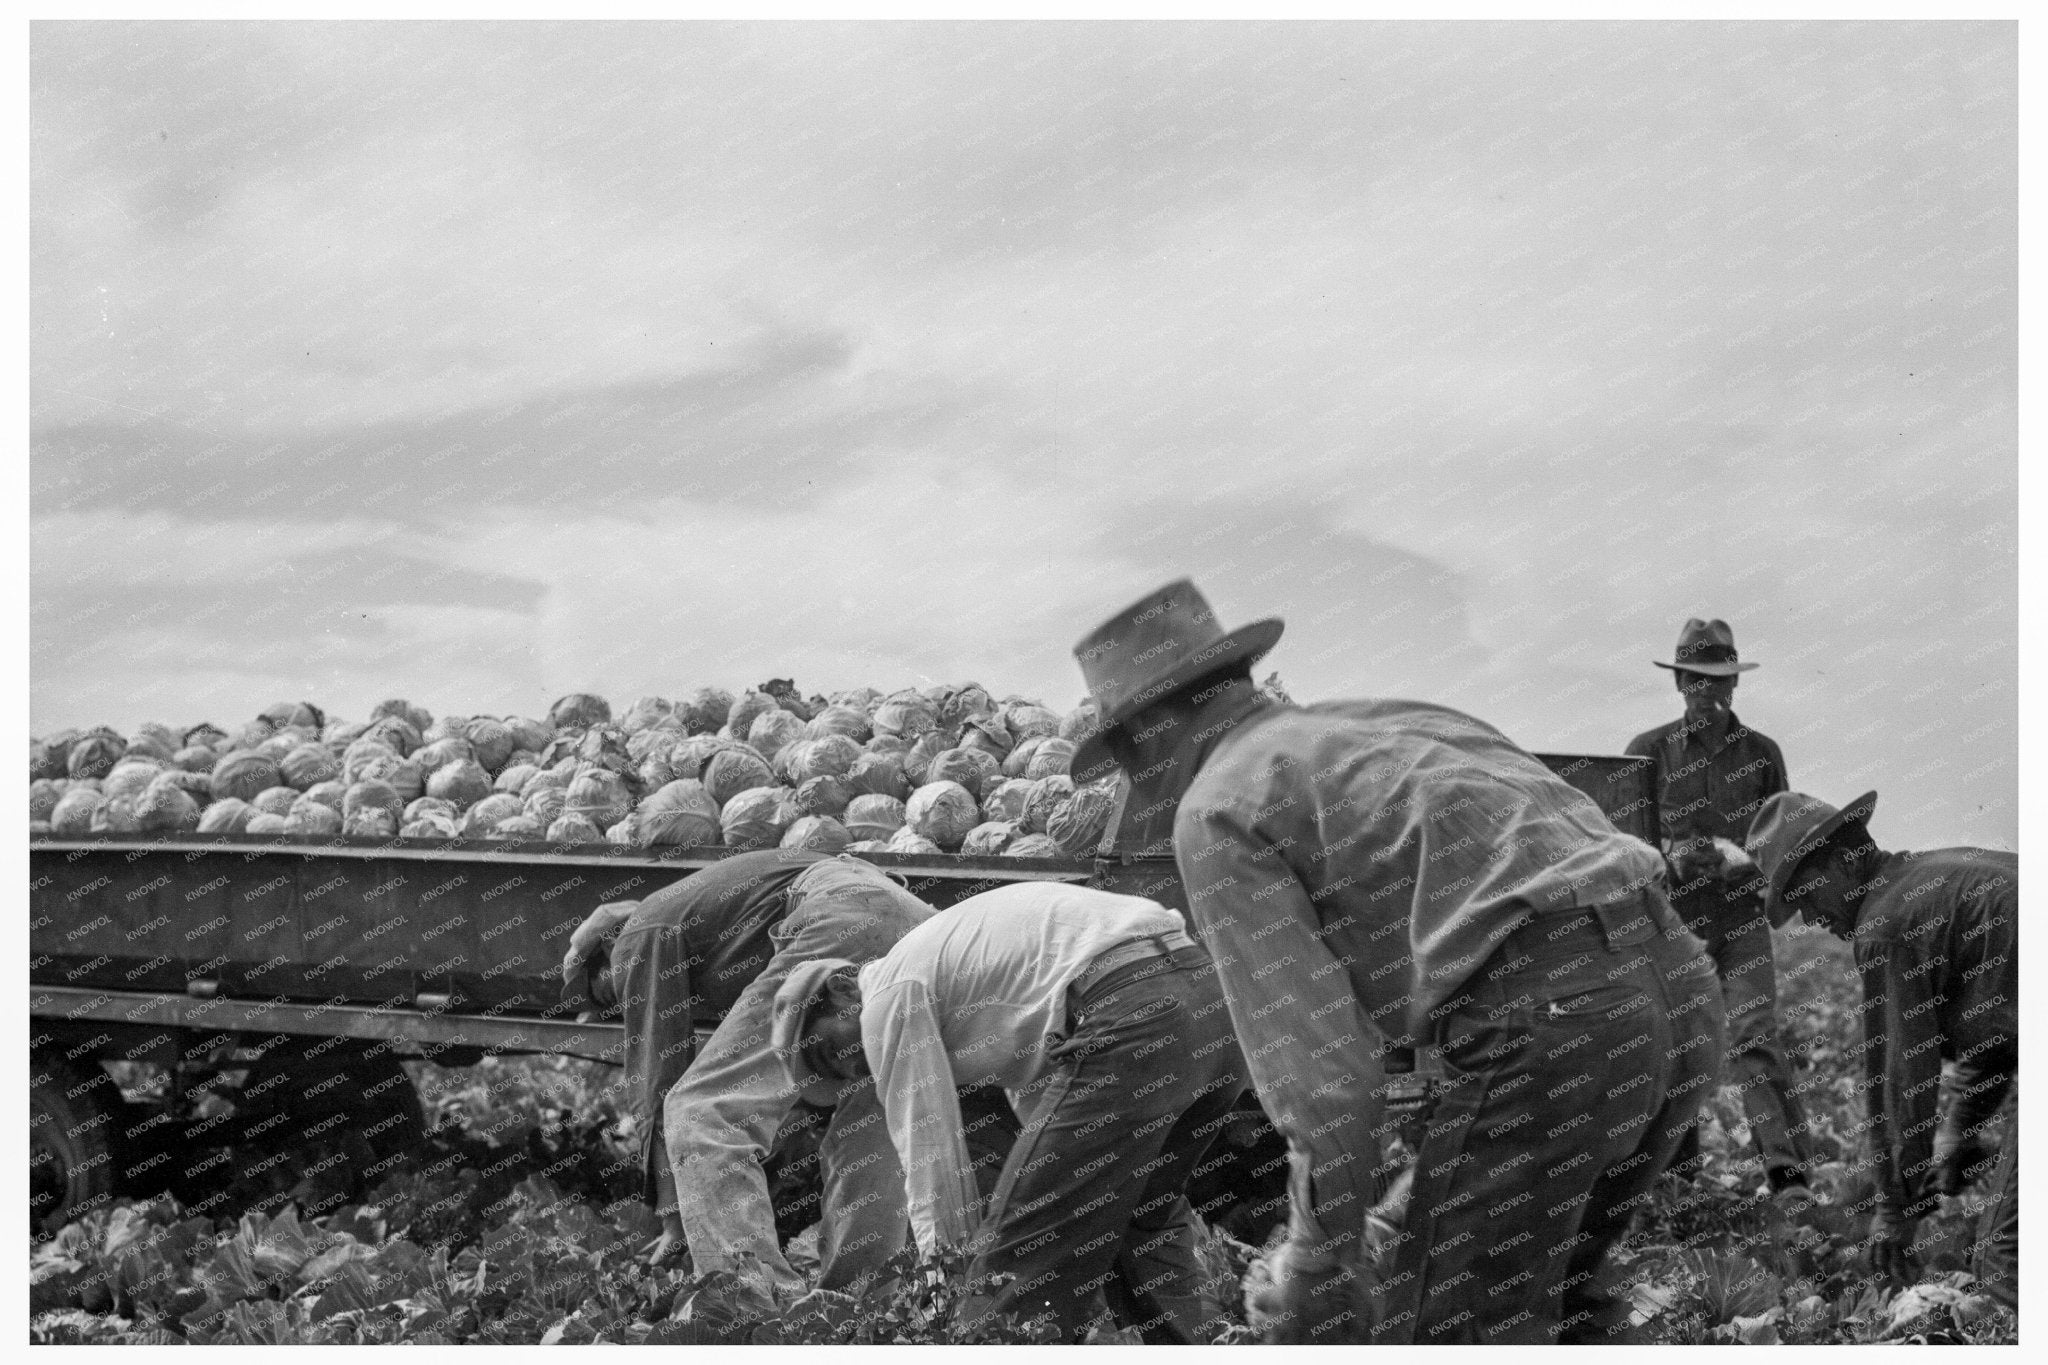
1101	1020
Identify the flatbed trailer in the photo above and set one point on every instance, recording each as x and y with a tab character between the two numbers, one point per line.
312	967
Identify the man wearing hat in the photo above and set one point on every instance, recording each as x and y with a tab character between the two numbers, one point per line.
1100	1018
1392	874
713	948
1712	773
1933	934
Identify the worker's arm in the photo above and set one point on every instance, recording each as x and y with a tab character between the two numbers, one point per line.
1313	1055
914	1081
1902	1065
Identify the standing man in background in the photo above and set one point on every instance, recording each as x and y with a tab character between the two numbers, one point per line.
1712	775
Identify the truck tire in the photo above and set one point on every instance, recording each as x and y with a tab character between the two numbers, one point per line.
73	1111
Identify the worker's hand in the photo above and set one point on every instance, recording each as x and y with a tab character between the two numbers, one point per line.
1693	860
601	924
1956	1152
670	1245
1891	1245
1304	1302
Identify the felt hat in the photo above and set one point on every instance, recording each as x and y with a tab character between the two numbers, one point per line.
1706	647
1790	827
1150	650
795	1002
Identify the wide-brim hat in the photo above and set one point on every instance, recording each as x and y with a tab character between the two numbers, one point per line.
1153	648
790	1016
1791	827
1706	647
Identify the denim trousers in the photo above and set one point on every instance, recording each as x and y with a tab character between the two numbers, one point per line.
724	1117
1092	1202
1573	1063
1996	1257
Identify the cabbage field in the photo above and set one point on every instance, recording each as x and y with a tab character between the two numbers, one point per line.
946	769
520	1224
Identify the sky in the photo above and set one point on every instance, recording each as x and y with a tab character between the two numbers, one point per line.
482	364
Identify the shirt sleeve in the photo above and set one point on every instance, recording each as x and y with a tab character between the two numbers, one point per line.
1313	1056
1902	1065
649	979
914	1080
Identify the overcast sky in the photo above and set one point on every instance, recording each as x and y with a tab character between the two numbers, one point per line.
479	364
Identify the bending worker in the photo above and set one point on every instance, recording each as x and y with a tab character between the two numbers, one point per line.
1712	774
1100	1019
1933	935
1381	873
715	946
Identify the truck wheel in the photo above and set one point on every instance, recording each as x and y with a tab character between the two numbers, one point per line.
72	1113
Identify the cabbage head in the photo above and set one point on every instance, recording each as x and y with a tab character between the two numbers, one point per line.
195	759
754	818
735	769
95	755
773	731
148	743
1077	824
942	812
1046	796
681	813
206	735
1029	721
823	795
886	744
973	769
818	833
746	708
464	782
372	795
443	753
130	776
311	817
307	765
164	805
1034	846
873	816
432	805
1054	758
839	720
646	714
574	829
917	763
490	741
418	717
530	734
276	800
1005	801
333	793
622	832
278	745
430	825
225	817
546	804
705	711
906	716
294	713
987	734
908	840
394	733
579	711
879	773
43	797
402	775
370	822
599	796
480	819
73	816
514	778
261	823
988	840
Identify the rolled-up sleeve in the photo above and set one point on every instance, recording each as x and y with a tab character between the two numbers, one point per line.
913	1075
1313	1055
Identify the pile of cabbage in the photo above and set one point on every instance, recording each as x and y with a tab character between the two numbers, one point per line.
945	769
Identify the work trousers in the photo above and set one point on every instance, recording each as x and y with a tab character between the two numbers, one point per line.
1093	1199
1996	1257
1738	939
721	1120
1573	1063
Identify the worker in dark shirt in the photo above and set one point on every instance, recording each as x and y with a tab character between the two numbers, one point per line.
1712	774
713	948
1934	938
